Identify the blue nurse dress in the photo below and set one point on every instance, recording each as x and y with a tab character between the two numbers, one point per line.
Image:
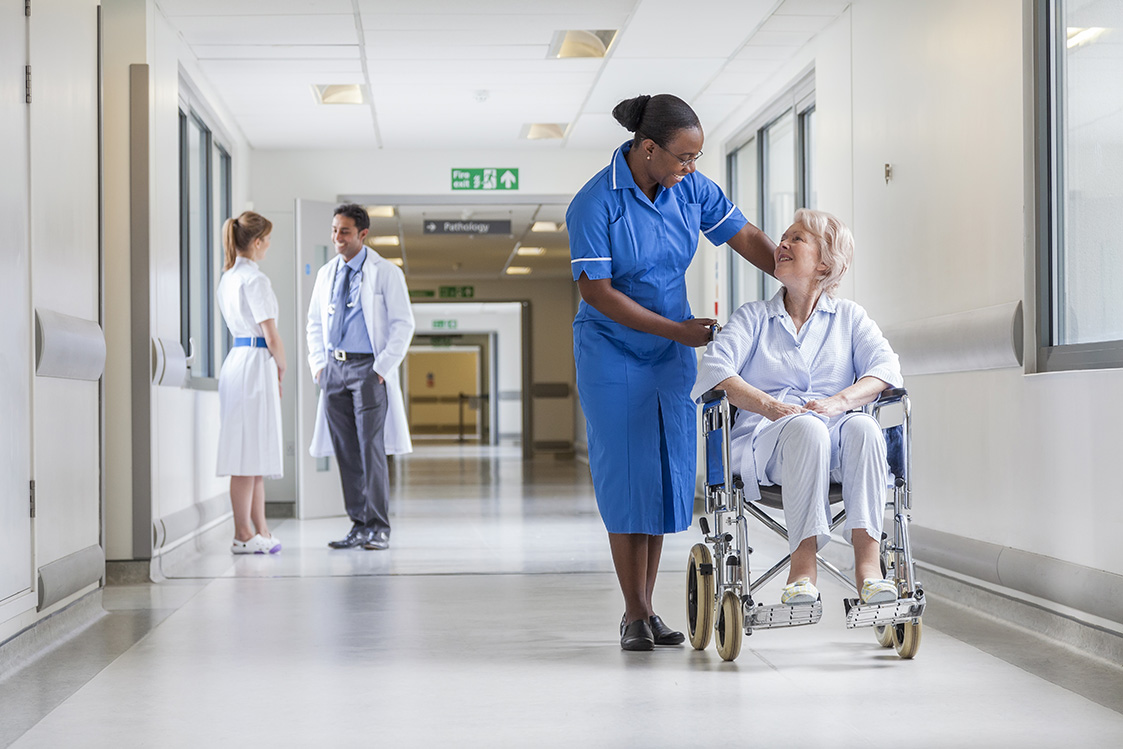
635	387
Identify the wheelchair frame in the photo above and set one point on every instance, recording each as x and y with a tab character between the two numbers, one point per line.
720	595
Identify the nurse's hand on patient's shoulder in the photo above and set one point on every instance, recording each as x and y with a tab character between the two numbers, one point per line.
695	332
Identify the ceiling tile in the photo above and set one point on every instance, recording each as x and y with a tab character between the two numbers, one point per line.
831	8
801	24
718	32
303	29
594	131
276	51
176	9
495	7
623	79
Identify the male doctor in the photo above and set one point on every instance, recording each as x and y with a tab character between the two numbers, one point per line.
359	327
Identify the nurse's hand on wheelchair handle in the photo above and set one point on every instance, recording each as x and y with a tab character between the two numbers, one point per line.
696	332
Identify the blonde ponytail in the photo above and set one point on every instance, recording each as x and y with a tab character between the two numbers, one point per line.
239	234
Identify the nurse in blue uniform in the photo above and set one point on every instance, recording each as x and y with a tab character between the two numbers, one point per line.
634	228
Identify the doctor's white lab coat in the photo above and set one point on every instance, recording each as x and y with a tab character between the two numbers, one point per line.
389	321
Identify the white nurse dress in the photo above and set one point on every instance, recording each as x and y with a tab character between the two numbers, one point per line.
249	396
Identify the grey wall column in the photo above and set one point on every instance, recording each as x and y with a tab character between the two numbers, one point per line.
141	366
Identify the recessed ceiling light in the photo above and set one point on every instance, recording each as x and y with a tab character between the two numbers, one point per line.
546	226
531	251
396	261
544	130
380	211
518	270
581	43
341	93
385	240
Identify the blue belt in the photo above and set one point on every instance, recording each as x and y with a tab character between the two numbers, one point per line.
253	342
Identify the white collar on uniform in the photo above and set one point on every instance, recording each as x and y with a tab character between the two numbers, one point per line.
775	305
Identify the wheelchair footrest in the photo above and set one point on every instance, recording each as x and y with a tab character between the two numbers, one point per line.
783	615
882	614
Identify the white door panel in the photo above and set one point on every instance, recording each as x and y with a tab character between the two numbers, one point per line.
319	493
15	309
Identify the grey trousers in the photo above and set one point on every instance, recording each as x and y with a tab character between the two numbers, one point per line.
355	407
809	455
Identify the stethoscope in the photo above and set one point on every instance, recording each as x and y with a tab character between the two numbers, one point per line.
331	293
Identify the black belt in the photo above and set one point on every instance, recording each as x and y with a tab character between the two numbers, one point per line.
344	356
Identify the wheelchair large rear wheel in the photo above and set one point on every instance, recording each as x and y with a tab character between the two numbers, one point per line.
700	596
730	626
906	638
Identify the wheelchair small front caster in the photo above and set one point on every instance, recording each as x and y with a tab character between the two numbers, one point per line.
730	626
906	638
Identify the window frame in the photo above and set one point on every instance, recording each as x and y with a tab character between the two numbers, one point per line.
799	99
1049	41
211	345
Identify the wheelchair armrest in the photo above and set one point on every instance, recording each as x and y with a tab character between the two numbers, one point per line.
712	395
890	395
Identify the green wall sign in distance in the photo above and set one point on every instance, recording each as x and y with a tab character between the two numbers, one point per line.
485	179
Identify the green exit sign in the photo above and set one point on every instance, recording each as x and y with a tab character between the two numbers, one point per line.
485	179
444	324
456	292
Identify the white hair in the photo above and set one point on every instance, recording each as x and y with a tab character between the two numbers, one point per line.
836	245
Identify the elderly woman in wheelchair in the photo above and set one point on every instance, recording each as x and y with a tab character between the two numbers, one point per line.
798	368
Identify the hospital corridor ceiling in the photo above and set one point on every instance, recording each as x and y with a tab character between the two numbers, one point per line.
476	75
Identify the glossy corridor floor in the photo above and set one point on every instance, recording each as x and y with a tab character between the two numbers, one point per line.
492	622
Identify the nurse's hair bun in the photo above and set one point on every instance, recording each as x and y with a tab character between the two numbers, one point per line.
629	112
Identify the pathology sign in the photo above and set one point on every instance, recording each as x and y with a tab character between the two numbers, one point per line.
485	179
457	226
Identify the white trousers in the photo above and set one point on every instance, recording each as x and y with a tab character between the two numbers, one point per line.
801	463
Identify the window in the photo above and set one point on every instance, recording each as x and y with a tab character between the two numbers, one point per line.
770	175
1079	68
205	201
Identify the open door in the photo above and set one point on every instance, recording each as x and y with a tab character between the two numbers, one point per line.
318	493
15	308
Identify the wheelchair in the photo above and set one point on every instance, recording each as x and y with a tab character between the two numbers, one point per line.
719	587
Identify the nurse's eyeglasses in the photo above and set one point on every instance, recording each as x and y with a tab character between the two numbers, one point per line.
682	162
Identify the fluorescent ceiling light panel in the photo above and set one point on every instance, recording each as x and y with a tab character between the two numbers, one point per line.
546	226
518	270
380	211
544	130
581	43
396	261
531	251
385	240
339	93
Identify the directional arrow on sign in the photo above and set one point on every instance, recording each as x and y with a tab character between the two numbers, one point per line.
508	179
430	227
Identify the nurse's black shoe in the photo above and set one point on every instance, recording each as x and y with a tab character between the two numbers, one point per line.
663	634
637	636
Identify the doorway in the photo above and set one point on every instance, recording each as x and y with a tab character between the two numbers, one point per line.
447	395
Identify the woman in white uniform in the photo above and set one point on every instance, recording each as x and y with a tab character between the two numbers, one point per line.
249	384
